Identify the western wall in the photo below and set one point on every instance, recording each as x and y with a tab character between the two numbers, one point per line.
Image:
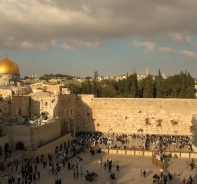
134	115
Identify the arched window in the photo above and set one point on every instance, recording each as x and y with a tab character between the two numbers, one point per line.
46	103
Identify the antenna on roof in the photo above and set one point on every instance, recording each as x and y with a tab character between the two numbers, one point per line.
33	75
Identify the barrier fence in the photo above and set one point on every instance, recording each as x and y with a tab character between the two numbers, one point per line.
147	152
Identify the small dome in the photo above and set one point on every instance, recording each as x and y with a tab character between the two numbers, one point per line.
7	66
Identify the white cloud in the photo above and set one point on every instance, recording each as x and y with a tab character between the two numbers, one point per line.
179	38
149	45
27	45
182	52
188	53
74	44
48	45
92	44
167	49
69	46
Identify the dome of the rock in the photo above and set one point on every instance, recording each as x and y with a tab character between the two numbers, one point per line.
7	66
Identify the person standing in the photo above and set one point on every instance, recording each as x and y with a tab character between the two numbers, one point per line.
144	173
38	173
19	177
117	168
74	173
68	165
105	165
77	174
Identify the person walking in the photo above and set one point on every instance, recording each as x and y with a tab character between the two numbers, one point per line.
117	168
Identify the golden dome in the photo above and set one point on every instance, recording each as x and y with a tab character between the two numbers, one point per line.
7	66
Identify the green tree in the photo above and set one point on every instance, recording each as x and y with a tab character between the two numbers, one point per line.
109	91
134	86
83	88
148	87
126	86
158	83
26	77
88	87
95	85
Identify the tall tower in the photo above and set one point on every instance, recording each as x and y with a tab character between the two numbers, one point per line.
146	72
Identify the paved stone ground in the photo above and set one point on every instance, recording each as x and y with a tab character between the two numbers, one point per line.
130	167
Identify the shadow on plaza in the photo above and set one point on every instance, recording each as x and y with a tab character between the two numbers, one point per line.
179	178
149	173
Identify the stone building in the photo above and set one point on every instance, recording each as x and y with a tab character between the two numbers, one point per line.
10	83
56	89
37	121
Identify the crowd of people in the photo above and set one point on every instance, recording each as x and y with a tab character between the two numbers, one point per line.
135	141
28	171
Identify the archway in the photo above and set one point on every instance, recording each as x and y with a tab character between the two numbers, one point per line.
7	150
20	146
6	147
56	149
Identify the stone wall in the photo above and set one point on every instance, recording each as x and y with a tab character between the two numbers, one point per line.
56	105
18	133
130	115
3	141
32	137
19	106
50	148
194	128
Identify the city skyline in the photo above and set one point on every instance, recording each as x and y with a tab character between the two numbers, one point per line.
80	37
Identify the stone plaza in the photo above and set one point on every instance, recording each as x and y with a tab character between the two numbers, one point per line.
130	170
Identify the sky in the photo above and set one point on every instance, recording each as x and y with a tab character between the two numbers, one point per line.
112	37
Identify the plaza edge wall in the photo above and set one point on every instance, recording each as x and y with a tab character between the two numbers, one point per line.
146	152
129	115
32	137
50	148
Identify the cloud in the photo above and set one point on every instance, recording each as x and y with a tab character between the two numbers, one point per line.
182	52
69	46
92	44
188	53
167	49
179	38
40	21
51	44
27	44
74	44
149	45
